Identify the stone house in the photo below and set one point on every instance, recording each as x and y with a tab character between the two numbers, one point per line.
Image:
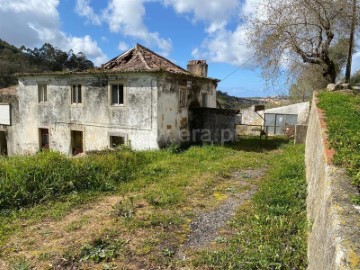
138	98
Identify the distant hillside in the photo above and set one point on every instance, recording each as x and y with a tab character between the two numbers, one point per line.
47	58
12	60
226	101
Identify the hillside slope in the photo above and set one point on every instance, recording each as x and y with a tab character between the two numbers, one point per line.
47	58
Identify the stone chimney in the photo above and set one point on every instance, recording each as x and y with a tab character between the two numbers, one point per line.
198	67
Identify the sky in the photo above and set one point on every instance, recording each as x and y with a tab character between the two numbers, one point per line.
180	30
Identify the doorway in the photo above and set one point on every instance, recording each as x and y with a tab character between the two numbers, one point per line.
44	139
77	142
3	143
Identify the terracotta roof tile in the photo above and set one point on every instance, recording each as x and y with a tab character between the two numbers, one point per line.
9	91
140	58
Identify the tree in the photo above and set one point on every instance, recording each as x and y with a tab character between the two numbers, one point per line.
351	41
298	30
49	58
308	80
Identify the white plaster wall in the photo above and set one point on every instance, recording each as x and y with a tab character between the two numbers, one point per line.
301	109
250	117
96	117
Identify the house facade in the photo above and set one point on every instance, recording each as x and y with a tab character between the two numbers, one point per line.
138	98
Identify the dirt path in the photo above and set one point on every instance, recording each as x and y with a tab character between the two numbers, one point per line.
207	224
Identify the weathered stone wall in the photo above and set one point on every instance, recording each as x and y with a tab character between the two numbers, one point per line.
210	125
150	118
334	236
95	116
173	120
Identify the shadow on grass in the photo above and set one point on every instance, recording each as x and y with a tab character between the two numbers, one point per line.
254	144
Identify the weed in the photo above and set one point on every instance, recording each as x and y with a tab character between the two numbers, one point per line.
271	230
168	252
125	208
30	180
101	250
21	265
343	119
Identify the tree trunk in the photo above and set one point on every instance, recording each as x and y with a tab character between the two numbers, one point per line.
330	72
351	43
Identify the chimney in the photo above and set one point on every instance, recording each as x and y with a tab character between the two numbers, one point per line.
198	67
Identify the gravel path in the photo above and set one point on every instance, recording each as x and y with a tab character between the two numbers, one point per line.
204	229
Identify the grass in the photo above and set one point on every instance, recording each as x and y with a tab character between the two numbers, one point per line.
270	231
157	202
27	181
342	112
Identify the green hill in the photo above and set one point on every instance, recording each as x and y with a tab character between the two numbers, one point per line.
47	58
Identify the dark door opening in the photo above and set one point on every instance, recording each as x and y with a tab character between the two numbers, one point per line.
77	142
44	139
3	143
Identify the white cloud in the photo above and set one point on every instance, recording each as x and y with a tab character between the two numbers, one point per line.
215	12
35	22
84	9
230	46
89	47
226	47
126	17
123	46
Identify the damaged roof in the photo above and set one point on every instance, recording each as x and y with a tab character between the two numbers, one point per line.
136	60
140	58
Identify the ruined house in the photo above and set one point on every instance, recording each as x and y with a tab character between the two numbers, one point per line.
138	98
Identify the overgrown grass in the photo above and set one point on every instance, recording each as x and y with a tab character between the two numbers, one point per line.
343	118
160	200
26	181
270	232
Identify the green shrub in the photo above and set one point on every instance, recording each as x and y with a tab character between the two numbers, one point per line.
30	180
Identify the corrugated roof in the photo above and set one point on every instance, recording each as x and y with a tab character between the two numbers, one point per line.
140	58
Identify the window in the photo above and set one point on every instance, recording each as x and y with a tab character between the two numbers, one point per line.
116	141
44	138
183	98
117	94
275	123
76	94
204	99
42	93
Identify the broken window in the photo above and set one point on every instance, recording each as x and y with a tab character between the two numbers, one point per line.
183	97
116	141
76	142
44	138
42	93
76	94
117	94
204	98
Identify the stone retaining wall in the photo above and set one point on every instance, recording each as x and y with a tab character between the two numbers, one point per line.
334	231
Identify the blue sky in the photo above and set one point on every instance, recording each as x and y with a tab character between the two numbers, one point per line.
180	30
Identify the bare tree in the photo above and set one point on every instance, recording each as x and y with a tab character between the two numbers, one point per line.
289	31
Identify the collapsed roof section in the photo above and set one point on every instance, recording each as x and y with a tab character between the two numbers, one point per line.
140	58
